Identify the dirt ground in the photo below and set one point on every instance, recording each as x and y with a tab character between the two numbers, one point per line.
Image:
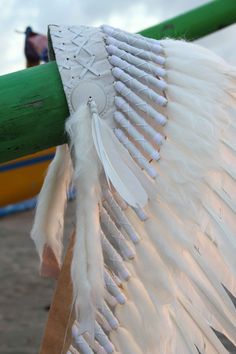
24	296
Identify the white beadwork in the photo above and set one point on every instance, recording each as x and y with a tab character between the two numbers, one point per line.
138	73
109	316
137	155
103	339
94	344
139	103
120	201
138	87
115	236
121	218
114	289
139	63
114	260
138	137
80	342
141	213
138	120
110	299
143	54
103	322
134	40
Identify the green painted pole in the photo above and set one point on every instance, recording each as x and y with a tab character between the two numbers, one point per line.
33	107
196	23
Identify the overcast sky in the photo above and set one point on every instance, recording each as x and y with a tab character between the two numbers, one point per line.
127	14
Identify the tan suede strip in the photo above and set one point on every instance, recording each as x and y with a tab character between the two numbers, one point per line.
57	335
49	267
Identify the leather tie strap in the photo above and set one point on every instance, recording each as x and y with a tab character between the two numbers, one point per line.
57	335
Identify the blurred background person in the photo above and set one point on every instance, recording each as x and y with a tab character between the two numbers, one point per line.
36	48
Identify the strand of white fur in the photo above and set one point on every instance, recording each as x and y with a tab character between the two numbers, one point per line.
87	262
49	218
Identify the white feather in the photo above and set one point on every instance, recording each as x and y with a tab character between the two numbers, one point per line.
113	158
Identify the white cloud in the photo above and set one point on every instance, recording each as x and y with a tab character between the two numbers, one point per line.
127	14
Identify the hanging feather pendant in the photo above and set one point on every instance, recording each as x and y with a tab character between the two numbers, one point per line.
87	263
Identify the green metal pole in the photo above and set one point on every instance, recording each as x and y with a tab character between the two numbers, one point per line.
33	107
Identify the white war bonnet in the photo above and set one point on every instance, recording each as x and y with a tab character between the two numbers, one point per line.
149	154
